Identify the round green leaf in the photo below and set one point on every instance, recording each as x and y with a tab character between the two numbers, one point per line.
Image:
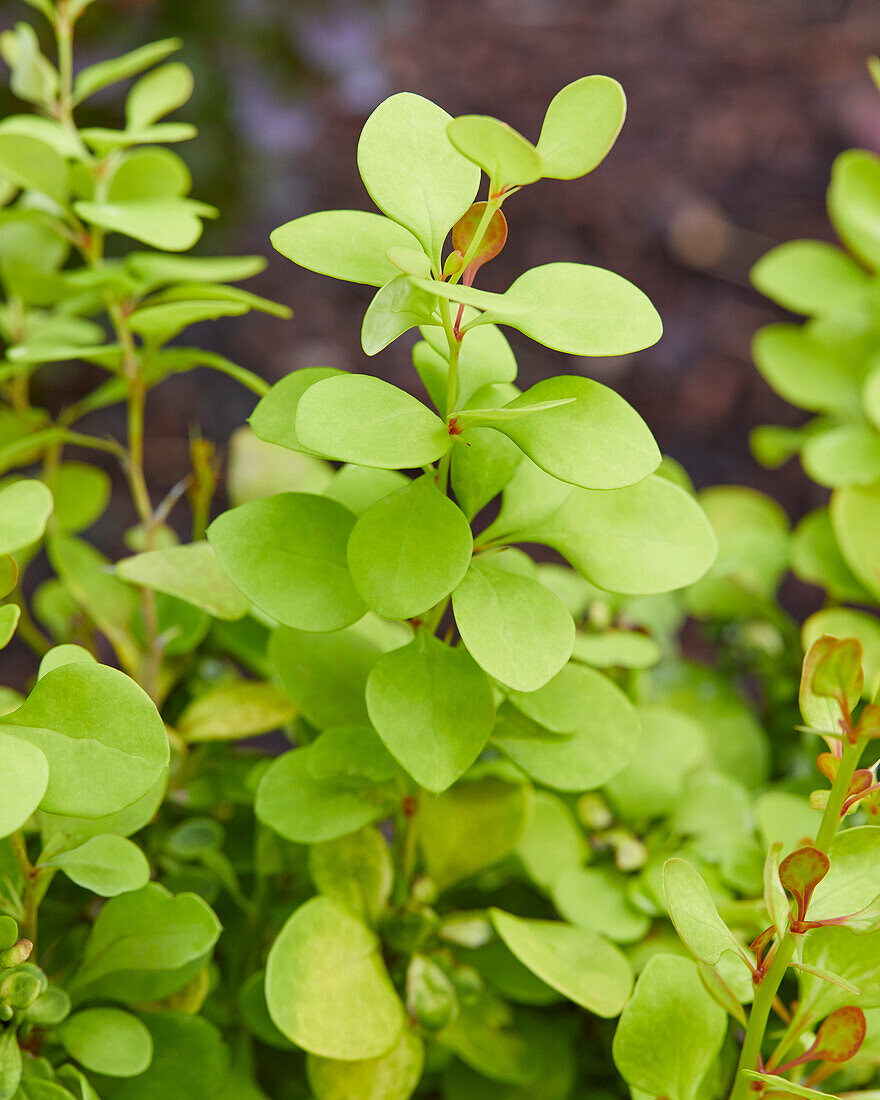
339	783
854	203
105	865
393	1076
287	555
845	455
104	740
817	559
581	124
344	244
170	222
573	308
108	1040
274	418
413	172
810	373
191	573
25	507
573	734
148	174
596	440
356	870
81	494
503	154
551	840
29	162
327	987
433	707
855	517
597	899
396	308
575	961
693	912
517	630
810	277
409	550
853	880
670	1032
358	418
158	94
23	780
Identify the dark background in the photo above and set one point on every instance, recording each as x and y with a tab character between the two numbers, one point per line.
736	111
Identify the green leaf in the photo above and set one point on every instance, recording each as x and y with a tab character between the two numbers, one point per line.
482	466
108	1040
807	371
810	277
191	573
344	244
161	323
156	269
517	630
846	455
575	961
23	782
573	734
358	418
257	469
327	987
568	307
694	914
287	554
855	518
231	710
342	781
785	818
325	675
485	359
780	1086
104	740
672	745
107	866
141	944
580	126
76	830
670	1032
596	898
104	73
433	708
158	94
647	538
170	222
393	1076
596	441
853	880
396	308
506	157
105	141
471	826
490	1039
843	622
149	173
274	418
850	957
25	507
356	870
9	616
34	78
854	203
10	1063
30	163
409	550
817	559
359	487
551	841
81	493
413	172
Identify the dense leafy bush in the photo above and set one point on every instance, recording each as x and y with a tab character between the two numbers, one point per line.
507	811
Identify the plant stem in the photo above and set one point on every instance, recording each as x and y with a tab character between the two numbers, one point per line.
36	882
769	987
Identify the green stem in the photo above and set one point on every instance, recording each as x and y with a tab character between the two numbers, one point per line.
769	987
492	205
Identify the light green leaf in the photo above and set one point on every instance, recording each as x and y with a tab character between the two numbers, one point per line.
81	493
817	559
810	277
853	880
344	244
854	203
104	73
483	462
433	708
358	418
10	1063
327	987
274	418
647	538
851	958
157	94
855	518
785	818
581	124
551	841
506	157
156	269
190	572
596	441
359	487
670	1032
72	831
149	173
105	141
235	709
170	222
573	734
842	456
30	163
161	323
356	870
572	308
485	359
23	781
287	555
142	944
694	914
34	78
104	740
596	898
396	308
105	865
257	469
108	1040
409	550
807	371
517	630
25	507
779	1085
469	827
616	649
9	616
393	1076
843	622
575	961
339	783
413	172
